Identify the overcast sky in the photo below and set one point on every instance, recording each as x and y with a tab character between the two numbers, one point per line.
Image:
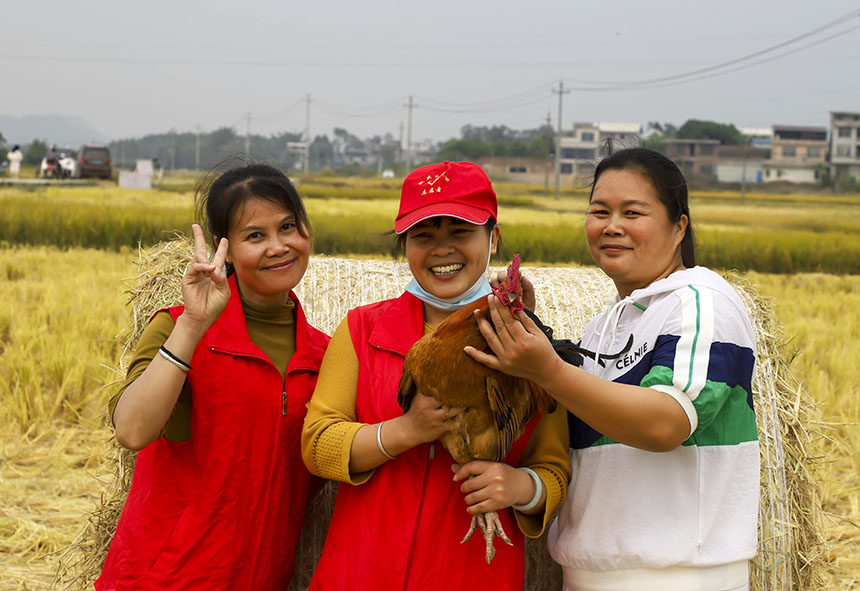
132	69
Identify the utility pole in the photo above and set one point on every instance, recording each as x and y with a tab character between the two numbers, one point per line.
247	134
744	169
546	164
197	148
409	106
172	148
307	165
400	144
560	92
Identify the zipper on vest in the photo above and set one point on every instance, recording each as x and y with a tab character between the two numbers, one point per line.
283	388
430	457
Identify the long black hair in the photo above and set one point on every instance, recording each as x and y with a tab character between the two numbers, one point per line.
668	182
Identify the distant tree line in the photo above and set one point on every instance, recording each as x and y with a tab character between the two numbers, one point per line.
498	140
190	150
693	129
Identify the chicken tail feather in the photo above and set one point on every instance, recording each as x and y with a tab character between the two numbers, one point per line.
503	418
407	389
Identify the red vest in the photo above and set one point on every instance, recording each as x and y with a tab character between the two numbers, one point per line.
223	511
401	530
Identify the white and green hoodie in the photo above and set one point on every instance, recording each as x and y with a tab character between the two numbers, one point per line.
684	519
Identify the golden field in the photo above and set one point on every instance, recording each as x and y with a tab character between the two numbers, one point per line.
61	309
766	232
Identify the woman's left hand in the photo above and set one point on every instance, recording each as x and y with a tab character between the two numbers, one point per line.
528	296
520	348
490	486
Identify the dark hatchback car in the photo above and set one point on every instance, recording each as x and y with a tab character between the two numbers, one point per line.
94	161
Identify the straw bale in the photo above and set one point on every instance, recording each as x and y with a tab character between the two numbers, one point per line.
790	548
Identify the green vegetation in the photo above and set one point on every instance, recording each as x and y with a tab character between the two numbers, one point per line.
765	233
498	140
726	133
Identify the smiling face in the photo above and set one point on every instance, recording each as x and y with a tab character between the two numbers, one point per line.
629	232
267	250
447	256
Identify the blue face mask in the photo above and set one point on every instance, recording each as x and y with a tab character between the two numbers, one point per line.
478	290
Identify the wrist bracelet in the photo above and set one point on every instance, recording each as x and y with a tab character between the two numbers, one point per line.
174	359
379	442
538	490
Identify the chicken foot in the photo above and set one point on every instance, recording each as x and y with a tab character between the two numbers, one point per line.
491	526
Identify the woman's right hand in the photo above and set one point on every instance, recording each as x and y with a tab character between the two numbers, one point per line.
205	291
427	420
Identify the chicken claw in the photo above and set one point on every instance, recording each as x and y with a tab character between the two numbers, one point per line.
491	526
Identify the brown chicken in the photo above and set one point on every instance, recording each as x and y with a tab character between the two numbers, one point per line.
497	406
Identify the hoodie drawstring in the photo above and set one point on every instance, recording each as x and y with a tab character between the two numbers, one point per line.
612	319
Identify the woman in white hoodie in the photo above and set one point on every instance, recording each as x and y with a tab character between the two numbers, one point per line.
664	449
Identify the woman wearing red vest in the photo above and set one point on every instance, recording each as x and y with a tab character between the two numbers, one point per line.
401	509
214	401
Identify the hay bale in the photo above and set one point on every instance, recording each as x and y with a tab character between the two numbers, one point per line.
790	549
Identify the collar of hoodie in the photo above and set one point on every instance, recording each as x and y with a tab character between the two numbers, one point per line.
610	325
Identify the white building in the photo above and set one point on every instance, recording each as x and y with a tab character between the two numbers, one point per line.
798	154
844	145
736	164
589	142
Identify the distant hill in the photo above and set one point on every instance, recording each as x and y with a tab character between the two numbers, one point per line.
64	130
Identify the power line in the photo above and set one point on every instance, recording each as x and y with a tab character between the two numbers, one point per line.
364	112
700	73
441	105
646	84
508	107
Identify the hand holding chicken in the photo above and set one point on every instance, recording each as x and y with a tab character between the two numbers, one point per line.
496	406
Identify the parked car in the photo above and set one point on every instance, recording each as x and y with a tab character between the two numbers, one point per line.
94	161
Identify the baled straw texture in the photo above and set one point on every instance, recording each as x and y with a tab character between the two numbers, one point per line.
789	555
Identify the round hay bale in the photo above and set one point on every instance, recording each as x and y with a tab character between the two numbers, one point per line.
790	549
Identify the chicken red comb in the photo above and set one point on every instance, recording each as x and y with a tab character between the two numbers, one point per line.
508	291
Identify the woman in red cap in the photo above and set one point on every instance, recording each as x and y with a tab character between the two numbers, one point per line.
399	515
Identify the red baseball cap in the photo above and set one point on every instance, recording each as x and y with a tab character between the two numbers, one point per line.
457	189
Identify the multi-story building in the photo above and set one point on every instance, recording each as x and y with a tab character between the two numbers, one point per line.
589	142
844	145
694	157
798	154
532	170
736	164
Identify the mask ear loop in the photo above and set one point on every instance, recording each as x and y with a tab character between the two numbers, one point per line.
489	254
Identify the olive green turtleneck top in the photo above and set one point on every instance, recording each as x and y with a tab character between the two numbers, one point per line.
272	329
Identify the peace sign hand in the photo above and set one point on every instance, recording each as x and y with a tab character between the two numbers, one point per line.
205	290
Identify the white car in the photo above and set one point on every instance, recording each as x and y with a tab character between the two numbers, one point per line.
68	165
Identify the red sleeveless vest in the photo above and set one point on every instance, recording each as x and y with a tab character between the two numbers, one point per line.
223	511
401	530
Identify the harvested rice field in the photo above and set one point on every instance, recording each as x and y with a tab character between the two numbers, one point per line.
63	311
